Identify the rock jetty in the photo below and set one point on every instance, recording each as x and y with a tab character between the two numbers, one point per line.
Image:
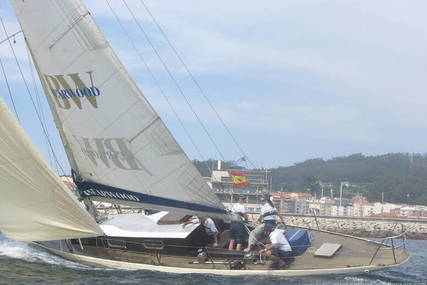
363	227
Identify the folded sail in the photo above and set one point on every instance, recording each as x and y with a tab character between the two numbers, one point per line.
117	145
35	204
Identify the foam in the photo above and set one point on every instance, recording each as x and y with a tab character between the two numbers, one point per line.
354	279
23	251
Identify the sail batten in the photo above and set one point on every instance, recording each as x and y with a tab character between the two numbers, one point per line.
112	134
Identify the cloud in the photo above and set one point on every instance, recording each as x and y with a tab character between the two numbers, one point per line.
349	73
322	77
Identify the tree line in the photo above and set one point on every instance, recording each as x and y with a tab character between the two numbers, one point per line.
394	177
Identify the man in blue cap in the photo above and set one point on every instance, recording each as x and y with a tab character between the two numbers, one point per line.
268	216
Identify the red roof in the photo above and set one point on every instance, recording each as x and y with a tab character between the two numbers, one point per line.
291	195
388	215
360	201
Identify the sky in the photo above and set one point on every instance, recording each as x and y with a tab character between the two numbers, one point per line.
293	80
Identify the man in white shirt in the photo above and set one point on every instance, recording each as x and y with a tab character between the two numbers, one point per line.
237	227
209	226
278	250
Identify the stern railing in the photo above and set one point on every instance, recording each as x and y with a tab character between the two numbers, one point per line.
392	243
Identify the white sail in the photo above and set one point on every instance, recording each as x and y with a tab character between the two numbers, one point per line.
35	204
118	146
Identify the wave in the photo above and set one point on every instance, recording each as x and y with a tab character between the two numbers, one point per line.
30	253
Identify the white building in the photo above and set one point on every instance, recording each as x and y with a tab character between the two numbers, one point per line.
350	211
368	210
342	211
357	210
380	208
302	207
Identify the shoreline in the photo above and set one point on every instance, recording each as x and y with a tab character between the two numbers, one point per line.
365	228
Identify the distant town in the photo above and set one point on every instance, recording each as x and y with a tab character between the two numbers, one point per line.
252	184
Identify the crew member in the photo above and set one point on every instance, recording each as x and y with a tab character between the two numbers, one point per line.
237	226
278	250
269	215
209	226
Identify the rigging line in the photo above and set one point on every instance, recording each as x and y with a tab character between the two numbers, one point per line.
157	84
30	67
9	37
29	93
196	83
9	90
174	81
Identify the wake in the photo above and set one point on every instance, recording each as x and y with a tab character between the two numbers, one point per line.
30	253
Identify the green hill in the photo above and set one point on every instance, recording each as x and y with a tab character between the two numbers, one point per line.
401	177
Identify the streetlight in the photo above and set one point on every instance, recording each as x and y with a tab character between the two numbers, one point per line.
346	184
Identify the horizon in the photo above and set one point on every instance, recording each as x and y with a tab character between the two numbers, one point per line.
325	159
294	81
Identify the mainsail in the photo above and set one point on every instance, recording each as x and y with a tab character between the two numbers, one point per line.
117	145
35	204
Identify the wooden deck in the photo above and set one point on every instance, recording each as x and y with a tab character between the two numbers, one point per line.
354	253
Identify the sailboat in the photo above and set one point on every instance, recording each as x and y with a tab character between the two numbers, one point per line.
121	152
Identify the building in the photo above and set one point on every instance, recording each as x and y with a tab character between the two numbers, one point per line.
337	210
292	203
412	211
380	208
325	206
225	190
358	210
302	207
368	210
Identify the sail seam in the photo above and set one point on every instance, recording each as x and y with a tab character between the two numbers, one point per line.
69	29
144	129
166	176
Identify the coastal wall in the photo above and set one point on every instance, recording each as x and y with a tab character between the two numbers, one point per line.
374	228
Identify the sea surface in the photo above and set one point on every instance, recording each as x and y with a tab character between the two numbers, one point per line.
21	263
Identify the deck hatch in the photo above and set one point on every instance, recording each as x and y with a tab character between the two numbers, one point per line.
327	249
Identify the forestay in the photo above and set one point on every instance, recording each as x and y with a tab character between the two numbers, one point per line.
35	204
117	145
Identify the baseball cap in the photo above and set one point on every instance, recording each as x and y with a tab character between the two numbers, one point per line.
265	196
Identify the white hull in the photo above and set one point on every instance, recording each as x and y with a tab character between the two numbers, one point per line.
93	261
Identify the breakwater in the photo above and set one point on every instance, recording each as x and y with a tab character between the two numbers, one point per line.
363	227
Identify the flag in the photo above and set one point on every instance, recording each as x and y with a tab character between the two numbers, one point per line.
239	179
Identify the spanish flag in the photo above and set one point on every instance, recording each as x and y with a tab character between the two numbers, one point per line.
239	179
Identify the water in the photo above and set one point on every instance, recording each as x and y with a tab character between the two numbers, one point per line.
21	263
